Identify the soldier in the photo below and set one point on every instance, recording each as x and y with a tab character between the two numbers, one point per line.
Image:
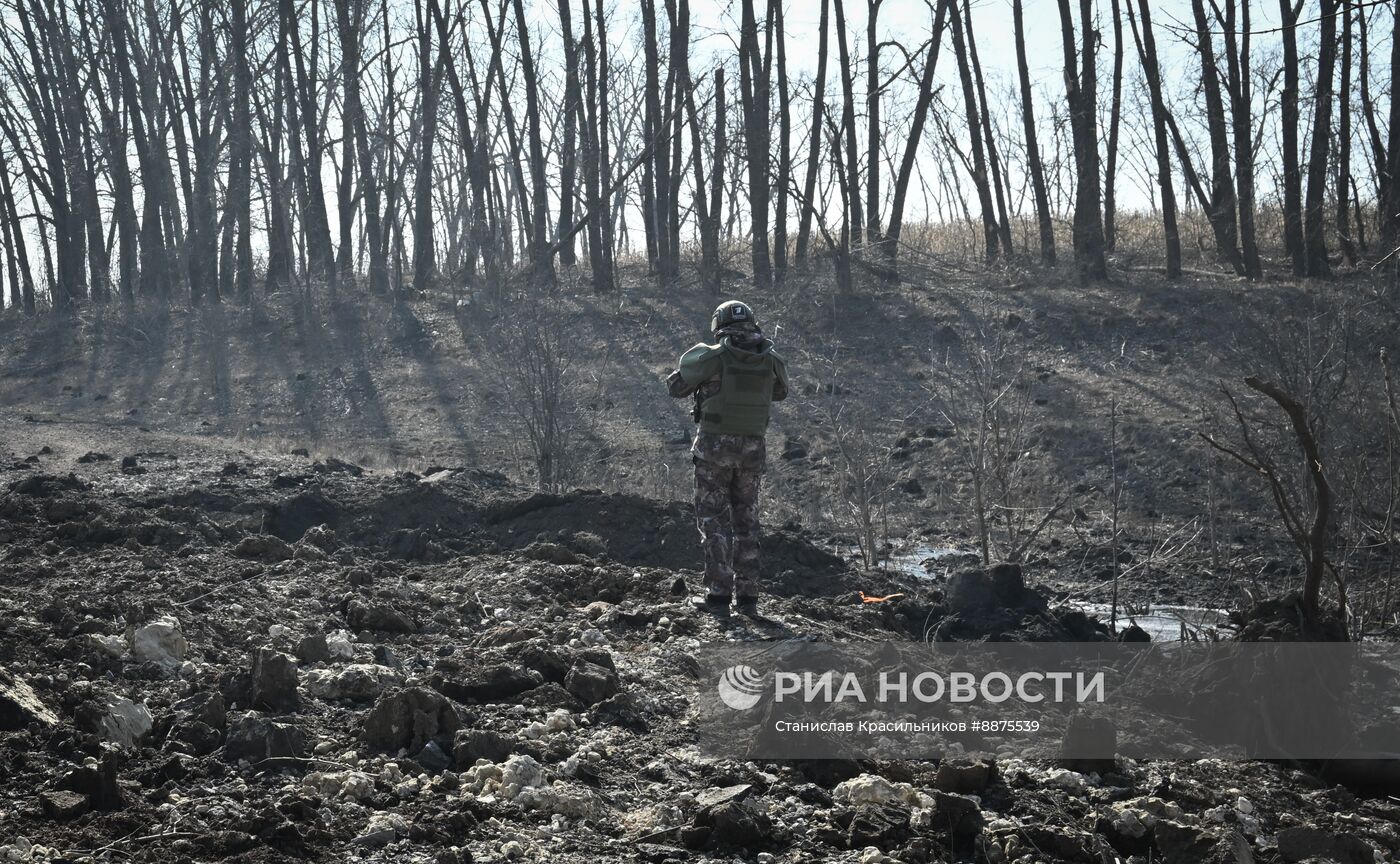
734	381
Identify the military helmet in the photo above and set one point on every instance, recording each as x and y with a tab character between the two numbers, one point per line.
731	313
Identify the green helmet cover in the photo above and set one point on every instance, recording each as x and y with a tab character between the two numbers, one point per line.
731	312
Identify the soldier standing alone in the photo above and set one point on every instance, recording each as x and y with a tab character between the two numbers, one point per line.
734	381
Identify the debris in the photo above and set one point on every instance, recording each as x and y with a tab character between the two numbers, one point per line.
253	739
20	706
340	645
378	616
316	649
274	683
865	598
263	547
359	682
160	642
125	722
62	806
591	683
409	719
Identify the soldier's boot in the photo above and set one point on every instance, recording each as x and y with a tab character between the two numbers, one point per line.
715	604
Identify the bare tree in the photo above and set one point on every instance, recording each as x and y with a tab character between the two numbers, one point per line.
1033	163
1081	87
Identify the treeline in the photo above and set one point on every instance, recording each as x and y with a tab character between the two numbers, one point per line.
194	151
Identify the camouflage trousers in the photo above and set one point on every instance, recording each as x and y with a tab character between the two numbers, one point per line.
726	509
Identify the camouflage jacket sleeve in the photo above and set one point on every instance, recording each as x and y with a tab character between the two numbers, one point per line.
676	386
699	364
780	383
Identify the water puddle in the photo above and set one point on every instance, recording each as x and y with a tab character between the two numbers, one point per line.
1162	623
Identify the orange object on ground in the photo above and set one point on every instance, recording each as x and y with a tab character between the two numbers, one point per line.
865	599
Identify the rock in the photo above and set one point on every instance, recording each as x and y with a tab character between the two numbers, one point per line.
551	553
131	465
474	744
104	645
1089	744
874	789
1306	842
432	758
870	825
263	547
254	739
63	806
495	683
1134	633
378	616
737	824
408	719
322	537
383	829
340	645
20	705
970	592
314	649
1179	843
125	722
207	707
160	642
959	815
717	795
200	721
93	456
274	683
98	782
591	683
963	776
360	682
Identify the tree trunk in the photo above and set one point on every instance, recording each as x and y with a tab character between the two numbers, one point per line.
1240	87
754	88
916	134
809	185
1315	204
974	126
1081	94
984	112
783	181
848	122
1147	51
1110	174
872	129
1344	238
541	258
1292	176
568	157
1221	212
1033	163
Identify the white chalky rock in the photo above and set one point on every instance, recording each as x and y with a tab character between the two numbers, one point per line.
1244	805
874	789
340	646
126	722
361	681
1135	817
160	642
593	637
1062	778
353	785
278	631
112	646
872	855
561	799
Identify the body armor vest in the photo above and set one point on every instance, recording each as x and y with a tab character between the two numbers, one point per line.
741	407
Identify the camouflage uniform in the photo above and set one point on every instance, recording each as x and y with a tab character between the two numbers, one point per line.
728	478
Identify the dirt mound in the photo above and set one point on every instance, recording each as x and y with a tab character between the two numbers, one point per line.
447	512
